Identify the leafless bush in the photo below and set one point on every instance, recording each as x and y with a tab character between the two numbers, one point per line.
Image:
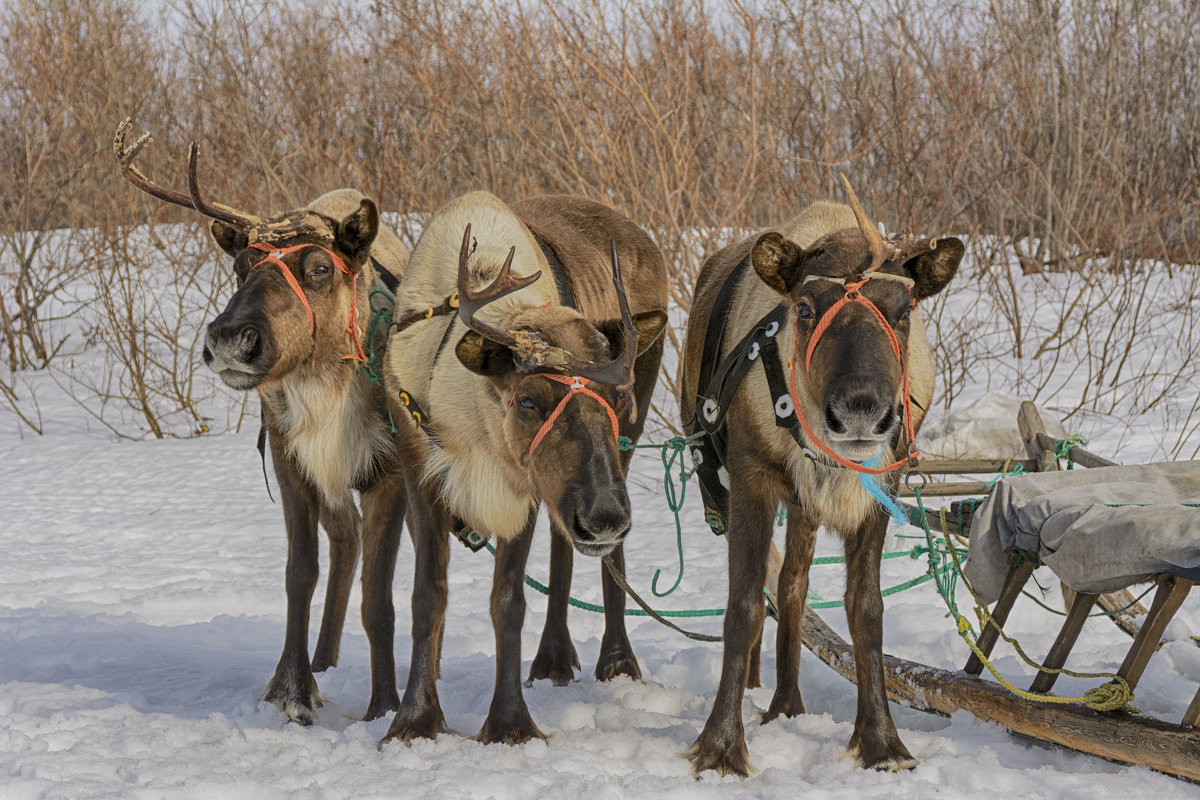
1055	136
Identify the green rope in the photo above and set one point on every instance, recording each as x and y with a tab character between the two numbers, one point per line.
629	612
670	452
1062	448
1100	613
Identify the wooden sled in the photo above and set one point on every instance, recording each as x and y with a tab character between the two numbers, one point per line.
1173	749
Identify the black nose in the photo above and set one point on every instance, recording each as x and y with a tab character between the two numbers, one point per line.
242	344
859	414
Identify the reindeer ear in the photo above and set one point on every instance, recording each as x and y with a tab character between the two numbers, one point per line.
934	269
777	261
229	238
648	324
356	232
483	356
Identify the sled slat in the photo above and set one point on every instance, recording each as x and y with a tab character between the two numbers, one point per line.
1018	574
1167	600
1062	645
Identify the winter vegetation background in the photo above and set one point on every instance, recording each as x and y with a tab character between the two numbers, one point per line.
141	591
1055	137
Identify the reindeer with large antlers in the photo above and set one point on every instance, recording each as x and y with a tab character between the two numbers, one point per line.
827	306
517	401
297	330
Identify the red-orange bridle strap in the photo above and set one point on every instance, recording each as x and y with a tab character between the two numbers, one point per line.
578	386
853	295
275	256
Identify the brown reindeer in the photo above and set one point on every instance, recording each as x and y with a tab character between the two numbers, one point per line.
520	399
832	296
297	330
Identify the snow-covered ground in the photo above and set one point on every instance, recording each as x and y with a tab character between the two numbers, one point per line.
142	607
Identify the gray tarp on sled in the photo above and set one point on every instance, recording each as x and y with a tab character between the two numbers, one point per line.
1098	529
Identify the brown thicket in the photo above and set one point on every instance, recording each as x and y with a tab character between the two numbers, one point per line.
1058	136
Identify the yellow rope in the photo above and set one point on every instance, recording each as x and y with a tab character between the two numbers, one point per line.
1112	696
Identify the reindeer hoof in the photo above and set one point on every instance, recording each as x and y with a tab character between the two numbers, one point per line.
509	729
617	659
890	756
299	700
784	703
723	757
416	723
554	662
379	707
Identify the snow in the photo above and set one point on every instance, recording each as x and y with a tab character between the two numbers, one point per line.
142	611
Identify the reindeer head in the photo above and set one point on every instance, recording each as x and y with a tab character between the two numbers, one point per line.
296	301
853	293
565	382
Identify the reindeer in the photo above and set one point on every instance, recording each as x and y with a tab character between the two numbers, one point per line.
518	401
293	331
839	300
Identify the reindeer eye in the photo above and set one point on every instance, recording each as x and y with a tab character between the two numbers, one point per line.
525	402
319	269
804	312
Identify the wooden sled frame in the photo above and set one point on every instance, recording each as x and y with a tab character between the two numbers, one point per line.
1119	736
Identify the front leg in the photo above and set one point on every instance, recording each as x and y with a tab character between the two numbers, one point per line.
616	653
875	743
342	528
384	506
420	713
722	744
508	719
793	592
556	658
293	689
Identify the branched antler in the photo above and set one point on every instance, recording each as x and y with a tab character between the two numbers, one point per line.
125	157
618	372
470	302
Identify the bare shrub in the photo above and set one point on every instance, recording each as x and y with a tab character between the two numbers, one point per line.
1056	137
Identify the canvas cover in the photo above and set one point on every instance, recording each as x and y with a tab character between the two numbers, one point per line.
1098	529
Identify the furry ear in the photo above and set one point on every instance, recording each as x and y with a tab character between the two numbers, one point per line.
934	269
356	232
648	324
231	239
483	356
777	261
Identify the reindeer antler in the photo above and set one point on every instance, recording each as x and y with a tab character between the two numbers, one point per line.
881	250
619	371
126	155
469	302
897	247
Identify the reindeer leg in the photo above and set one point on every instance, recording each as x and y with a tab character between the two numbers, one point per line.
420	712
793	591
556	658
508	718
875	743
293	689
342	527
383	519
754	667
616	653
722	744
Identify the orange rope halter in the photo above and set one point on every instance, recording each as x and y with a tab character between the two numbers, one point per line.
275	256
578	386
853	295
